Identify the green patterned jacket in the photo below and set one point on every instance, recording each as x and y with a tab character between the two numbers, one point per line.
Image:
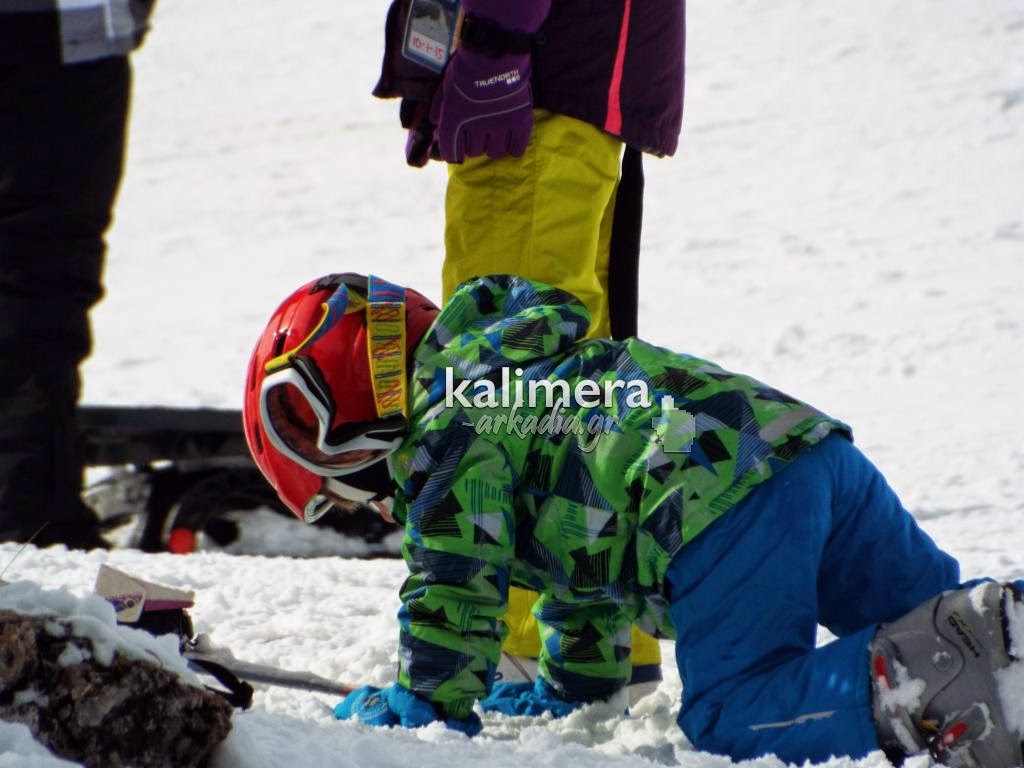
586	503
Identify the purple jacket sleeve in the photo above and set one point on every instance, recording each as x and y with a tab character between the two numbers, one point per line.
516	15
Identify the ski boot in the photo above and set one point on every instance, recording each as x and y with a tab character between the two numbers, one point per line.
935	675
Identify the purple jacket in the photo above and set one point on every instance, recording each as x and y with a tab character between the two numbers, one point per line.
617	64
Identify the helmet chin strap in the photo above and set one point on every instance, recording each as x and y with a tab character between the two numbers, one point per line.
381	503
384	507
349	492
371	483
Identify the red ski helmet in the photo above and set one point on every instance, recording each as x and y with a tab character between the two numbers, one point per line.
325	397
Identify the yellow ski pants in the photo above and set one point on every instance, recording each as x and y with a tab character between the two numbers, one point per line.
545	216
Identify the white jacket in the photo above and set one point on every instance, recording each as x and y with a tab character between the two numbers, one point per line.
70	31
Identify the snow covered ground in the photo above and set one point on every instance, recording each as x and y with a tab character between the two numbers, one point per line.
845	220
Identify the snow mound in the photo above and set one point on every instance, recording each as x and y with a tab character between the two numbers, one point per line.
94	618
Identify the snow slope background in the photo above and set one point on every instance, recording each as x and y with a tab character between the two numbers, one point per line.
845	220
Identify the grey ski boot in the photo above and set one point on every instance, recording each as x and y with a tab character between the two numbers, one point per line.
935	684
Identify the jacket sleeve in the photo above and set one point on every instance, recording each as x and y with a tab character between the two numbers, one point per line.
584	648
458	546
524	15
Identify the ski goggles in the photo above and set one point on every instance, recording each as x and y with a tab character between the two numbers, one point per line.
297	405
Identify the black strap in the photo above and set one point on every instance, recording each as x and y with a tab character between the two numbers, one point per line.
173	621
484	36
238	694
624	249
177	621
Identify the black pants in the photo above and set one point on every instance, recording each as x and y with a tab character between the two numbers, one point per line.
624	248
62	134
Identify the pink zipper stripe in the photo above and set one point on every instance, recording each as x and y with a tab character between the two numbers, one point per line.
613	120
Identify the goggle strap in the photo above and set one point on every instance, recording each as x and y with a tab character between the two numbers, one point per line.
337	306
386	344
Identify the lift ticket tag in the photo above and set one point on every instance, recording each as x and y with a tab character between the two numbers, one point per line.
131	595
430	32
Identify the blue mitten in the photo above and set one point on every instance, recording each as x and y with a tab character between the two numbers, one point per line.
397	705
534	698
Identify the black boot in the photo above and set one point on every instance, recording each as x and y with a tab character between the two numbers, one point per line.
40	457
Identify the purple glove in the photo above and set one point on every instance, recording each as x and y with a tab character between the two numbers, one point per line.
485	103
420	136
485	106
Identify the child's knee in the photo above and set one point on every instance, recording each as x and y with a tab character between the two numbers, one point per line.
698	723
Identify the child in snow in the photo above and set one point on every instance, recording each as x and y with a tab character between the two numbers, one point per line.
624	483
545	170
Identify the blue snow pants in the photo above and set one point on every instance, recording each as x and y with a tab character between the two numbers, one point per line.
825	541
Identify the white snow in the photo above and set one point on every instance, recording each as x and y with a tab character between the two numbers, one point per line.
20	750
91	617
268	533
1011	679
31	696
905	695
845	220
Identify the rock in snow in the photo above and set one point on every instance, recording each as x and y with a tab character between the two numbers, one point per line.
115	711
